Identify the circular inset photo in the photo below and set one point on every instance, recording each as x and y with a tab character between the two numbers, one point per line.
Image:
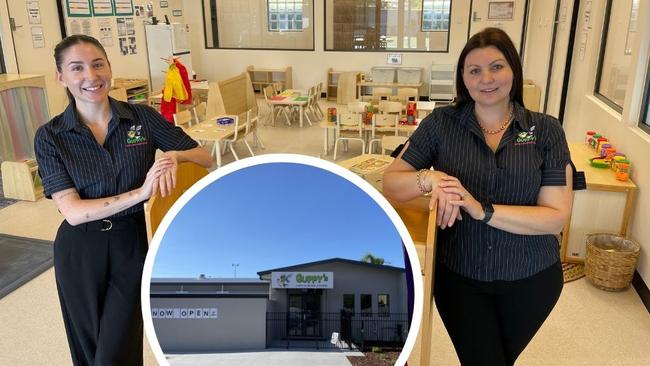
281	259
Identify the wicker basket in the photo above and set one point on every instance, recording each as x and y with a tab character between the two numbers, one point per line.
610	261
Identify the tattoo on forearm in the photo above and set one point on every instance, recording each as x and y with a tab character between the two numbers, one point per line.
106	204
87	215
117	198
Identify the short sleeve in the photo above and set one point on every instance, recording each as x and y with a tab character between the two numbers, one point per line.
556	154
51	168
166	136
421	150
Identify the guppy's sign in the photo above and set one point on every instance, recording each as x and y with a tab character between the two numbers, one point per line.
302	279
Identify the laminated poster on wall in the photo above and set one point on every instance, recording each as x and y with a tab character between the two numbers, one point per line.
130	26
38	39
124	47
102	8
86	27
121	27
34	12
74	27
132	46
105	32
123	7
78	8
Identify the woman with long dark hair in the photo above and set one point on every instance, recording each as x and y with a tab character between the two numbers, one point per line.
502	181
97	162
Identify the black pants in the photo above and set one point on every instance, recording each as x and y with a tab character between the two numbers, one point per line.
98	276
490	323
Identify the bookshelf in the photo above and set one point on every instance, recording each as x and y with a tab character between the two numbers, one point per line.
137	90
263	77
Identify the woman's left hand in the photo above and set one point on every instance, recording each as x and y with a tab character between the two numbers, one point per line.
469	204
167	180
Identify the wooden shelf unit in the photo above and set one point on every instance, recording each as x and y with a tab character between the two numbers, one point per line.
333	83
137	90
263	77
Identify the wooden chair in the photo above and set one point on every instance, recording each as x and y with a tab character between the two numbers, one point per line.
382	125
379	94
199	112
349	126
183	119
273	109
155	209
405	95
390	143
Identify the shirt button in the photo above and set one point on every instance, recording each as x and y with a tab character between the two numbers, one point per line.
489	247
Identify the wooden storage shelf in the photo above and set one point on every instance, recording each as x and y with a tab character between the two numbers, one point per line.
333	83
137	90
260	78
20	180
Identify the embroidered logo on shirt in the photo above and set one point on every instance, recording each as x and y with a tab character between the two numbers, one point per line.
134	136
525	138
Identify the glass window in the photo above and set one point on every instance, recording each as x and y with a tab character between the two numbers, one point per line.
435	15
387	25
383	305
645	107
616	52
289	10
348	302
259	24
366	304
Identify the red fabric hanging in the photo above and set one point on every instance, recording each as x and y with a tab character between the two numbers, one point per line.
168	108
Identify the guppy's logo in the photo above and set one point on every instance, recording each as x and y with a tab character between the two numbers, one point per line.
134	136
526	137
283	280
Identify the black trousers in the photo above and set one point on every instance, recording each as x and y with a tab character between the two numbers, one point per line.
490	323
98	274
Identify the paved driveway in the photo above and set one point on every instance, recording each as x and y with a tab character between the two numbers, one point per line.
266	358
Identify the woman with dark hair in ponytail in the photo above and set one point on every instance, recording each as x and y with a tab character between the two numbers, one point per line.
97	162
502	180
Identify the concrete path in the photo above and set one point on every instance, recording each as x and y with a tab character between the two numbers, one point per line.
265	358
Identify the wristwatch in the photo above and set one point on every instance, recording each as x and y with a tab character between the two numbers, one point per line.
489	210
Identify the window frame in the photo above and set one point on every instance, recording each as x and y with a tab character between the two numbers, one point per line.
446	50
214	29
433	20
293	21
353	303
644	120
361	309
601	59
387	306
3	68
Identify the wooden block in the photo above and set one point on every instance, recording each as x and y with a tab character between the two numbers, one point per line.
20	180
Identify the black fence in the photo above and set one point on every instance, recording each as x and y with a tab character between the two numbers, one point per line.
336	330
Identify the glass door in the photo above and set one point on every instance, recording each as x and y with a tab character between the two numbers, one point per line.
304	315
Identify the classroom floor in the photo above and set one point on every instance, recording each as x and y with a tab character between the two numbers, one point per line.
587	327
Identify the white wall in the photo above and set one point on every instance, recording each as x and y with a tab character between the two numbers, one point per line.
585	112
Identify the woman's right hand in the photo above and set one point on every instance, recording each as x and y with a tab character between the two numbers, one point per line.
446	213
151	182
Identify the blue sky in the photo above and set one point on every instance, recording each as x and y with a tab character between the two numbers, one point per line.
274	215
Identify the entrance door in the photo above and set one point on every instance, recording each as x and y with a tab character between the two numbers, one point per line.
304	315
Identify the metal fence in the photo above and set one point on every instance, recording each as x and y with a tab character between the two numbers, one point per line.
335	330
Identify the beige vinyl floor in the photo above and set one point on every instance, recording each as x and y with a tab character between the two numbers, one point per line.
587	327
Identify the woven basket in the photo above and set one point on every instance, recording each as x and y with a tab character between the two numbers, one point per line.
610	261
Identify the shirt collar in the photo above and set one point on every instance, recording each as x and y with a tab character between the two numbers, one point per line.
465	114
70	118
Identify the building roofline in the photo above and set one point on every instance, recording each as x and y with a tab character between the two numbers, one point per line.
214	281
333	260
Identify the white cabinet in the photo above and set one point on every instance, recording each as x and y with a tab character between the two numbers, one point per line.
441	82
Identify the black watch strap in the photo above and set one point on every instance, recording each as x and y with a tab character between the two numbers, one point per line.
489	210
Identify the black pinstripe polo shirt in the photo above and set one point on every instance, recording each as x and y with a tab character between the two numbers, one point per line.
532	153
69	156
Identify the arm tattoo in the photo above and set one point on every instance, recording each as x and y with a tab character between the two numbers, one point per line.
106	204
87	215
116	198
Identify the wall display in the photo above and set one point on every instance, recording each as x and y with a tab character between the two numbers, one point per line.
102	8
105	32
177	13
139	11
130	26
133	49
86	27
123	7
501	10
38	39
34	12
124	47
164	4
394	59
78	8
121	26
